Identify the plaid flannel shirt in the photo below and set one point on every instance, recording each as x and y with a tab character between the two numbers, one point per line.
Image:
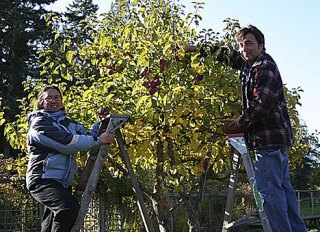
265	110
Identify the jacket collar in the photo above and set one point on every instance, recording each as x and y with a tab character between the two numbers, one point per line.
56	116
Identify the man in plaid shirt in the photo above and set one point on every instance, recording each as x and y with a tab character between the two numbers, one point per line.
266	123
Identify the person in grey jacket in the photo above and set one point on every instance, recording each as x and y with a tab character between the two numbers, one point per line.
53	141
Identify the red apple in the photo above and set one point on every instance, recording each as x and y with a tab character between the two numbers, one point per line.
152	84
163	64
106	54
151	90
145	72
199	77
102	112
157	82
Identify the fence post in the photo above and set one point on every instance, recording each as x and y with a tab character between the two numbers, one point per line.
312	203
299	200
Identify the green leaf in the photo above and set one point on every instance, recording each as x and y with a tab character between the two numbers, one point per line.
69	56
43	72
141	102
2	121
143	8
56	36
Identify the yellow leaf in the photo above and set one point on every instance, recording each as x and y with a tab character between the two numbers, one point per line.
194	141
2	121
69	56
165	144
56	36
198	112
178	188
176	129
177	89
9	167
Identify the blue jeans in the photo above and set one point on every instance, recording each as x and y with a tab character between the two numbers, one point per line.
273	182
61	207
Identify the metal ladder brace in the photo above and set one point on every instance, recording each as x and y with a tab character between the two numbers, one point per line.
237	142
90	176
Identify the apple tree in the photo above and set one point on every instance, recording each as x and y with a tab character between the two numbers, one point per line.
137	65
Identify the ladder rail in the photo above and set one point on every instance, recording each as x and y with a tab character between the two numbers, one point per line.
140	201
235	163
115	121
90	188
238	144
93	153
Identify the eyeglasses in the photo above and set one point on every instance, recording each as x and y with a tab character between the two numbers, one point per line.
55	98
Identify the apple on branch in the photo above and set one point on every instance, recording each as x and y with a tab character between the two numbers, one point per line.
163	64
145	72
152	90
199	77
102	112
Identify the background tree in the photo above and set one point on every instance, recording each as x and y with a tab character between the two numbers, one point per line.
305	168
80	18
74	27
23	30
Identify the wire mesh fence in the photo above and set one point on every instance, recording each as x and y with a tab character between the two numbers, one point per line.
309	202
22	214
19	212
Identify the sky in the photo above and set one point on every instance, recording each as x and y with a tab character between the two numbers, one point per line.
292	36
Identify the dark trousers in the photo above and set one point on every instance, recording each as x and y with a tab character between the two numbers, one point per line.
61	207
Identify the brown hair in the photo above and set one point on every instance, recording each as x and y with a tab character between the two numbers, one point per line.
255	31
39	102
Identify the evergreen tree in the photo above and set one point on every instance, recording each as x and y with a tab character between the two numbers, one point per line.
23	30
80	17
74	27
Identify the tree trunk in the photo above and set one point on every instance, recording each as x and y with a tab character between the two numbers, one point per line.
192	204
160	199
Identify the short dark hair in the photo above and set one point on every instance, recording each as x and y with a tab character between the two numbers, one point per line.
251	29
39	103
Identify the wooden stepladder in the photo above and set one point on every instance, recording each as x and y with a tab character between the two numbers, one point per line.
239	148
90	175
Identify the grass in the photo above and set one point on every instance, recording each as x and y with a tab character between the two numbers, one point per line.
306	209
